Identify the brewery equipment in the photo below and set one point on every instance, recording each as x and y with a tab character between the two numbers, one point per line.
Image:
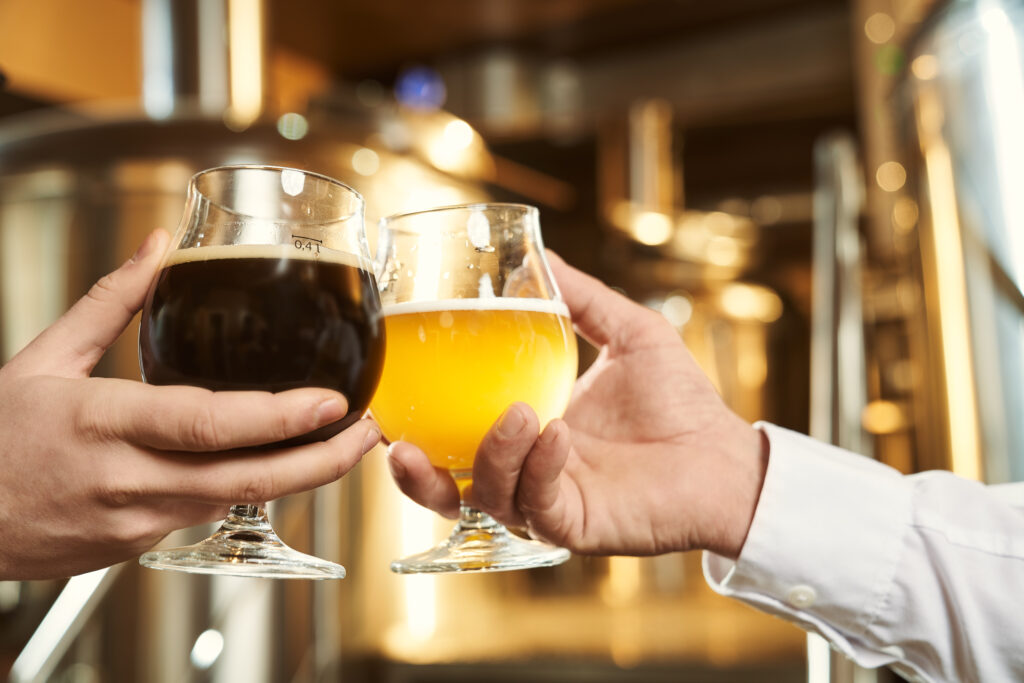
960	105
79	189
83	187
938	327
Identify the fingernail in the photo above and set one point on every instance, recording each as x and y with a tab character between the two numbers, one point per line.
329	411
397	468
549	434
511	422
144	249
371	439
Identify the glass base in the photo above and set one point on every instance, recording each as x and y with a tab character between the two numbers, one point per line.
480	544
244	545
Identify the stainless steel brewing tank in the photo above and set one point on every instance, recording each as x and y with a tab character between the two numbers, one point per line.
962	106
78	193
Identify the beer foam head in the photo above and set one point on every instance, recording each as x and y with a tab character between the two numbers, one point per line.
485	304
267	251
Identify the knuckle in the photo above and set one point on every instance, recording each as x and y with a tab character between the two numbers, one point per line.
125	530
92	421
340	468
329	462
127	527
259	488
136	531
284	427
202	429
529	507
115	492
106	292
104	289
554	537
486	501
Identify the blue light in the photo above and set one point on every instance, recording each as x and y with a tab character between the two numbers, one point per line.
420	87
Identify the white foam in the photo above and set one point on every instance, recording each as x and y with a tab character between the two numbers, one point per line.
266	251
488	304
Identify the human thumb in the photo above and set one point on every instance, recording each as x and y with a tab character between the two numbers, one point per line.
73	345
601	314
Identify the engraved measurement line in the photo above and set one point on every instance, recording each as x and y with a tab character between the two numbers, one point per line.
308	243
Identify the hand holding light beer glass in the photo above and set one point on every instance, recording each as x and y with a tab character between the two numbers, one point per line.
268	286
474	323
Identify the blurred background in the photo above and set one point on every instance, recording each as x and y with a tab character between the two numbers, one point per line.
821	195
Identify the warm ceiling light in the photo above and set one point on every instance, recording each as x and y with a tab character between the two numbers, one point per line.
452	148
879	28
458	134
925	67
883	417
245	29
652	227
365	161
751	302
891	176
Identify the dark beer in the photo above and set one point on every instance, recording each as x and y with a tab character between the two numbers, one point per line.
267	318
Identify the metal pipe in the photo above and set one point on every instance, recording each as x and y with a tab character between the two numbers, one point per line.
838	389
61	625
204	55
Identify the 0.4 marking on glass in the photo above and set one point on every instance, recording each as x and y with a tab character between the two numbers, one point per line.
308	243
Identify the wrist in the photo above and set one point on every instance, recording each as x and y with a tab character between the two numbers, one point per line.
742	460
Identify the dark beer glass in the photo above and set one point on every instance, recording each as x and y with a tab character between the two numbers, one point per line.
268	286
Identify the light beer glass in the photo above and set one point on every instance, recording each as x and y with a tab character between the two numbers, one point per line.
268	285
474	323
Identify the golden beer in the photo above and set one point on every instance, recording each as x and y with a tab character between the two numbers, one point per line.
451	367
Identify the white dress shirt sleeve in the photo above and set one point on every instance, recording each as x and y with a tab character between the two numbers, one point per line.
924	573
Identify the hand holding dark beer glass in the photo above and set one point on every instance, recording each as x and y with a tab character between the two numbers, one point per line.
268	286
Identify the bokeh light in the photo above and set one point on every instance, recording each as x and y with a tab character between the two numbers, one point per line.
891	176
882	417
652	227
925	67
292	126
880	28
365	161
904	214
207	649
421	87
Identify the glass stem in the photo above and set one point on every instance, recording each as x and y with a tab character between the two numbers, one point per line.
473	519
248	517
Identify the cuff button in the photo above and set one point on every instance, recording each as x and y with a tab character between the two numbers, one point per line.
801	596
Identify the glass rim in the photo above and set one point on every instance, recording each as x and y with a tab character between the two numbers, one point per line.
193	186
527	209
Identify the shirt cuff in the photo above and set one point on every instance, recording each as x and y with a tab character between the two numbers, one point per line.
824	544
